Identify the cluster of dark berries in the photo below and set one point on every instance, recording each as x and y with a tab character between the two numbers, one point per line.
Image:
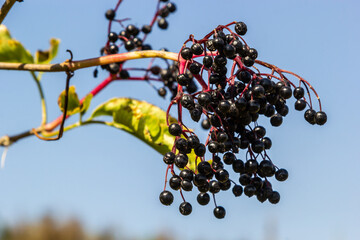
130	37
231	100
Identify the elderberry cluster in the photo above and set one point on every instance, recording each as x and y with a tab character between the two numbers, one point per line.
231	100
132	37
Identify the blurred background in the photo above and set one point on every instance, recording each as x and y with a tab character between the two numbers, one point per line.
101	183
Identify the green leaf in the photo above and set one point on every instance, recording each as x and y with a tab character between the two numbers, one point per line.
73	102
86	103
44	57
12	50
143	120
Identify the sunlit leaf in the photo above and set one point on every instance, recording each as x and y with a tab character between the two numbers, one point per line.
73	102
86	103
143	120
46	56
12	50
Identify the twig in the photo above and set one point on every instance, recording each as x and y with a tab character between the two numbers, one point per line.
75	65
6	8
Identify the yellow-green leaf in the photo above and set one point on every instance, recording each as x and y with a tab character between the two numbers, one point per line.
143	120
12	50
86	103
44	57
73	102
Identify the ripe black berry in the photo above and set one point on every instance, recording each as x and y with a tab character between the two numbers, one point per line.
203	198
181	160
299	92
185	208
195	68
300	105
274	198
229	158
281	175
110	14
225	185
204	188
162	92
266	168
114	68
204	168
146	29
200	180
214	186
197	49
164	12
267	142
237	190
162	23
222	137
187	101
276	120
182	145
171	7
166	198
320	118
113	37
193	141
253	106
186	185
175	182
175	129
238	166
124	74
257	146
253	53
205	124
285	92
249	190
248	61
186	53
113	49
169	158
258	91
183	79
245	179
260	195
244	76
207	61
221	175
251	166
218	43
186	174
260	131
229	51
129	45
132	30
310	116
240	28
219	212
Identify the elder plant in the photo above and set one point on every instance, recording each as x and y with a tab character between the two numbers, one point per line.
217	80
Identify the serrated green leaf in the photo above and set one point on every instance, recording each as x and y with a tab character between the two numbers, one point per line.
86	103
12	50
44	57
73	102
143	120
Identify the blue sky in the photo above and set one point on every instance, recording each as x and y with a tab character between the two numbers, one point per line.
108	178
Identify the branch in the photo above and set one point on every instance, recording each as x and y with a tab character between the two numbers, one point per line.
6	8
75	65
